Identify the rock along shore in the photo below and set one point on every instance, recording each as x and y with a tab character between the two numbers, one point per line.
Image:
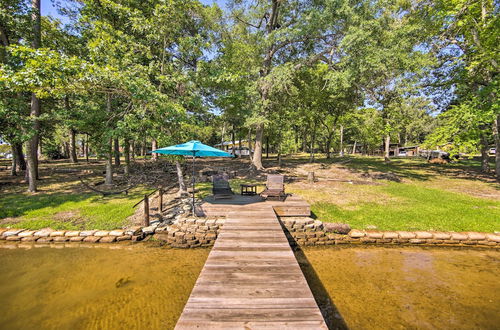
202	232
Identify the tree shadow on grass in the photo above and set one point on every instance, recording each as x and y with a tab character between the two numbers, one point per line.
410	168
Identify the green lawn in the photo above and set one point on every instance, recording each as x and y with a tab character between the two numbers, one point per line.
413	207
455	197
69	210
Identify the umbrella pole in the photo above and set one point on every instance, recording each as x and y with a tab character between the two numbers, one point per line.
194	213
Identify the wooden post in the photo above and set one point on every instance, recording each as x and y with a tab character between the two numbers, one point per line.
161	199
310	177
146	210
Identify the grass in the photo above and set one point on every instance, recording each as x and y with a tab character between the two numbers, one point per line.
414	207
453	197
69	211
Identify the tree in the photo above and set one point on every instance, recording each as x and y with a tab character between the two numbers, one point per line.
280	38
467	46
386	50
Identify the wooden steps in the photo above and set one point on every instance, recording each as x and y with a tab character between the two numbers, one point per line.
251	280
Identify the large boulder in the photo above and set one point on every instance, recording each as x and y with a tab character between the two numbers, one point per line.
339	228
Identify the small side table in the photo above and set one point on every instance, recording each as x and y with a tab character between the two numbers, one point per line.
248	189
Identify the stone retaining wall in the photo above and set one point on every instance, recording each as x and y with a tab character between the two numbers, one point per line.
48	235
190	233
202	232
309	232
183	233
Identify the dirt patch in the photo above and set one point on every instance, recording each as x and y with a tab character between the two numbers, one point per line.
10	220
74	217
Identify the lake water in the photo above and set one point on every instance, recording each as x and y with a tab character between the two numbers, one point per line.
95	286
124	286
405	287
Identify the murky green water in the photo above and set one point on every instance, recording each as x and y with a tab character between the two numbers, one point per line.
96	287
406	288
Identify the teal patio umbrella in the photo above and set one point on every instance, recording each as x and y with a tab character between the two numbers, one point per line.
193	149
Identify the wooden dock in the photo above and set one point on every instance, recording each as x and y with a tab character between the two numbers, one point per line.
251	279
293	206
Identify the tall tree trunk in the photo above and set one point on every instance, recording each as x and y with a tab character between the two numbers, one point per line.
126	153
109	156
223	133
387	145
109	163
239	144
257	154
341	152
132	150
117	151
13	171
72	135
267	146
313	143
82	149
143	149
233	140
66	149
87	148
249	140
485	158
21	162
496	135
72	154
279	155
180	178
354	148
32	144
154	146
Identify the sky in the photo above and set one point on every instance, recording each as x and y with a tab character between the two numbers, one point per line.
49	9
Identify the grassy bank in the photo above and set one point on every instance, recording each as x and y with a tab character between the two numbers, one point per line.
62	202
455	197
68	211
365	192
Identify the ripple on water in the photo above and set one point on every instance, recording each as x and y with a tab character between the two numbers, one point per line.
407	287
133	287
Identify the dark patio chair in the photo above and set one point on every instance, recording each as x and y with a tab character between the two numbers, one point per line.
221	187
275	187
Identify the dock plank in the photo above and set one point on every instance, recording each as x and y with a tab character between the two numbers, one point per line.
251	279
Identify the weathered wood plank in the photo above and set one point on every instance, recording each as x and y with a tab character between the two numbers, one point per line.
237	314
198	302
251	279
254	325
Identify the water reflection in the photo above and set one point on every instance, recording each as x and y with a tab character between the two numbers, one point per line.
412	287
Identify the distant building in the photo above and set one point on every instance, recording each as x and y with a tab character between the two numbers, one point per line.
239	150
5	150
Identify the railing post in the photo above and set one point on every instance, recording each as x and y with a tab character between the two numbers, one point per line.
161	199
146	210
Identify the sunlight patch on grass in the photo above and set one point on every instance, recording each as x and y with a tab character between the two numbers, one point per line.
416	208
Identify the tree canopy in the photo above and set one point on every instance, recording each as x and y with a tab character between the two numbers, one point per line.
331	76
